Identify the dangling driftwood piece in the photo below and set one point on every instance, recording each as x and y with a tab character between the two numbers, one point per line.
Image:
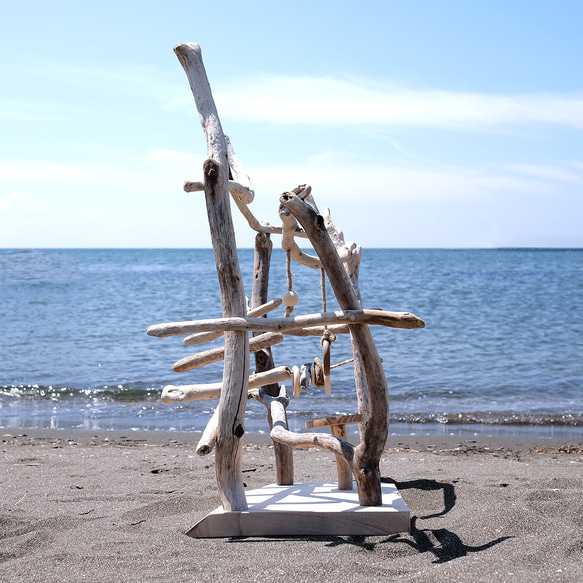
283	325
290	226
217	354
231	416
183	393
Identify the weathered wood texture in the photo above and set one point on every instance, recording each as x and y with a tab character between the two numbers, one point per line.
367	455
285	325
231	414
284	462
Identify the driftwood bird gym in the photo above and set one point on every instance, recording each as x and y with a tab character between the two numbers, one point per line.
355	501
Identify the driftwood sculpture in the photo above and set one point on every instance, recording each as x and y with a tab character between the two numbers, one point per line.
339	261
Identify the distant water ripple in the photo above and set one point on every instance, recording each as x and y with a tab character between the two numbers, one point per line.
501	348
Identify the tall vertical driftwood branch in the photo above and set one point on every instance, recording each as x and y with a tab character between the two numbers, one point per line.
284	461
367	455
236	371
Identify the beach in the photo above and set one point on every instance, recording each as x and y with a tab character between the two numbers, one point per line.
114	506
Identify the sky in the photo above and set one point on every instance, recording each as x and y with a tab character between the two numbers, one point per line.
446	124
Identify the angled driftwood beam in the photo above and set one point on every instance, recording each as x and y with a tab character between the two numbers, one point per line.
367	454
203	337
231	416
208	438
183	393
352	268
193	361
277	406
284	461
377	317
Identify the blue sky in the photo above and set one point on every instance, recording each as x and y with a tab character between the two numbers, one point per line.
420	124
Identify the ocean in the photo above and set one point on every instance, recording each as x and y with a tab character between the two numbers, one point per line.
501	353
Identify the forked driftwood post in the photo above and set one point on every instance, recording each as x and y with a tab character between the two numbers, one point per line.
284	461
383	512
231	415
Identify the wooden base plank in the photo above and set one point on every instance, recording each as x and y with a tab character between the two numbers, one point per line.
316	508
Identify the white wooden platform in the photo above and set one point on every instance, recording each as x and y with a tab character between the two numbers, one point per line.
316	508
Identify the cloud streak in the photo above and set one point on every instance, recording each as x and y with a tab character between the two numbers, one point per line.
309	100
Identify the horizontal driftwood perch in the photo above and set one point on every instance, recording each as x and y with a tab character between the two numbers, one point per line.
217	354
378	317
179	394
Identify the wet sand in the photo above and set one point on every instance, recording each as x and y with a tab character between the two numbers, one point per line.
114	507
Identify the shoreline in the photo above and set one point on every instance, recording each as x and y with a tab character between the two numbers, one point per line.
430	443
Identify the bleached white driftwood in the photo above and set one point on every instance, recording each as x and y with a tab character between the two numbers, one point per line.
217	354
231	414
377	317
184	393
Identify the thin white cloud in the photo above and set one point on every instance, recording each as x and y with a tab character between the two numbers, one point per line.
308	100
552	173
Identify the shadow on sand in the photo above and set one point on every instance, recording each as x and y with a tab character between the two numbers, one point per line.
444	544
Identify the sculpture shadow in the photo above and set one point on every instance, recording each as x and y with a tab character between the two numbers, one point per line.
444	544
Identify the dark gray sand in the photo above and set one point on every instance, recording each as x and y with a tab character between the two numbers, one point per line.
114	507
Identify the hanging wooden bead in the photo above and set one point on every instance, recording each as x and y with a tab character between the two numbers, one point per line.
296	381
290	298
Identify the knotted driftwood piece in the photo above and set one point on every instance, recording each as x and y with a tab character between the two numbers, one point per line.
231	410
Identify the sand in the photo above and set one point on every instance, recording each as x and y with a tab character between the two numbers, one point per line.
114	507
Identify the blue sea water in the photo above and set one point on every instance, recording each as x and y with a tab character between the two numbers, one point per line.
501	353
